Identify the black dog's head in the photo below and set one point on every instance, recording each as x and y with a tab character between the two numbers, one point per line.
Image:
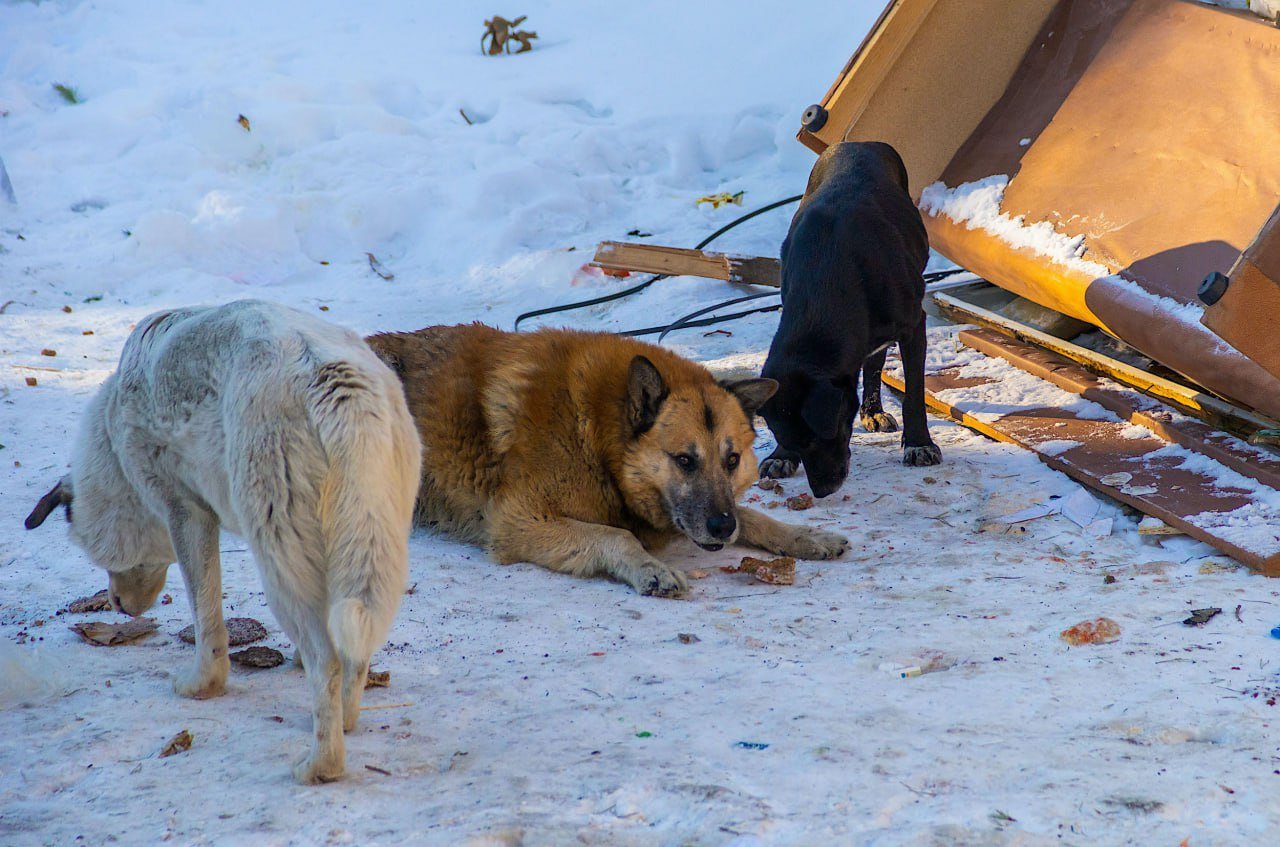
813	416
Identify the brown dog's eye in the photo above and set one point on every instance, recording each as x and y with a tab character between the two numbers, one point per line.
732	461
685	461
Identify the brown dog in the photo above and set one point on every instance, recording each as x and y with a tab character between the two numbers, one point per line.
583	452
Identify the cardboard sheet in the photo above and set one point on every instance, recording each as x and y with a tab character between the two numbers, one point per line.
1148	128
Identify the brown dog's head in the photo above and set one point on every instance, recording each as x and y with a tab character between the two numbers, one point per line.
690	456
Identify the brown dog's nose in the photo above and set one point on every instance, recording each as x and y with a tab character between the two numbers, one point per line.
722	526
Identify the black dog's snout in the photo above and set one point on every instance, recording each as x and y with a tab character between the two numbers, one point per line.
722	526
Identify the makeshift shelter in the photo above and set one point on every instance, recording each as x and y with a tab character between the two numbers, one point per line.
1099	157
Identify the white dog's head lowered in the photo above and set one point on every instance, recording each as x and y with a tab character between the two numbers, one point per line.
107	519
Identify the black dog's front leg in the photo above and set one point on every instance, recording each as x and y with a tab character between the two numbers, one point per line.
779	464
874	417
917	447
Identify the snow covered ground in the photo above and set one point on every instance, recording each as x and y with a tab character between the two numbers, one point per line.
526	707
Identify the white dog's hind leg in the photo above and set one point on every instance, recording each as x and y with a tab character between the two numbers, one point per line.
194	533
327	759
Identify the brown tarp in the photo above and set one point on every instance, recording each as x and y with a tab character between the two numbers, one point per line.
1151	128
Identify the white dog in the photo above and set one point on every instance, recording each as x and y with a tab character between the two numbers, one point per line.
283	429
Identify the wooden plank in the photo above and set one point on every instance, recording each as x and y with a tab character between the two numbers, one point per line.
678	261
1204	406
1088	450
1130	405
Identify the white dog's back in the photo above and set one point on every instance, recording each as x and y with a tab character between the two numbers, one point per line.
294	434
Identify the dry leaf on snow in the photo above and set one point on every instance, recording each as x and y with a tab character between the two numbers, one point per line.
113	634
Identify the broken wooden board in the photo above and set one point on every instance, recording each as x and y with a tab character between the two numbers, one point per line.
1130	405
1205	406
677	261
1241	519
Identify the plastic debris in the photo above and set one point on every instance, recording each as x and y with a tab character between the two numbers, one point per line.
721	199
1080	508
1116	479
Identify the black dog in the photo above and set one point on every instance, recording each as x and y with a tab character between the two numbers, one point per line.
852	284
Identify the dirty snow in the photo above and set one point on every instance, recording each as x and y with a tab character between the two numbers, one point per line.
525	707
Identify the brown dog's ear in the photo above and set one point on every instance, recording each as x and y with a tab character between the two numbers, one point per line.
646	392
751	393
59	495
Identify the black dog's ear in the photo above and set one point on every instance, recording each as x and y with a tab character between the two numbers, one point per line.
824	409
751	393
59	495
646	393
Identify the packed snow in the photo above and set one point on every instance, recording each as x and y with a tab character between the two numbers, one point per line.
525	707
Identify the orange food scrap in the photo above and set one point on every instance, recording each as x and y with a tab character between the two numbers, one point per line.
1097	631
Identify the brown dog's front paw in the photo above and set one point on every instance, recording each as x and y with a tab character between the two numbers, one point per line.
879	422
658	580
817	544
929	454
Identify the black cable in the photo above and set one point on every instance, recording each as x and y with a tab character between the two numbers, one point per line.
680	323
568	307
582	304
687	320
704	322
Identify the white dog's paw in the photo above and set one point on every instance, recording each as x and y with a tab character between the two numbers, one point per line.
203	682
315	768
807	543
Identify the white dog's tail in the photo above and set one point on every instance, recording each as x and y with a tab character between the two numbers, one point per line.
366	499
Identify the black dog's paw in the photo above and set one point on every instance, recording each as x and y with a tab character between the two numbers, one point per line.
879	422
924	456
780	464
777	468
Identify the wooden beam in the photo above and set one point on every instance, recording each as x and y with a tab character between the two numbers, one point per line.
1090	451
1204	406
677	261
1130	405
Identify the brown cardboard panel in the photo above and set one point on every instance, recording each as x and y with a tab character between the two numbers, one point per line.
1130	405
927	75
1150	129
1163	155
1187	499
